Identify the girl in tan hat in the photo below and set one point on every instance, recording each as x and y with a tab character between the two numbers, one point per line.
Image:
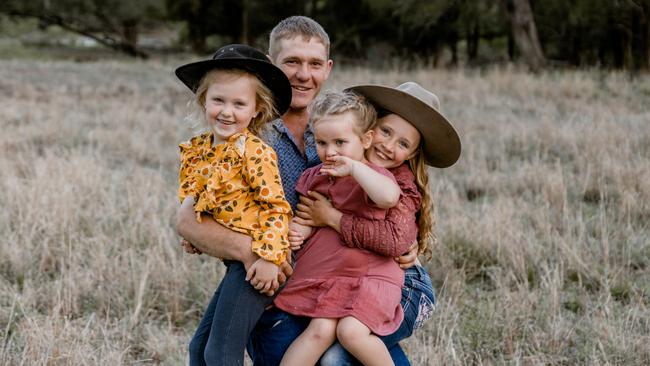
350	294
410	133
233	176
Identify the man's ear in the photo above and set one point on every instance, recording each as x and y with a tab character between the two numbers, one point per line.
328	68
366	138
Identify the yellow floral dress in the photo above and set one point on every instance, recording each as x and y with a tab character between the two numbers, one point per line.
238	183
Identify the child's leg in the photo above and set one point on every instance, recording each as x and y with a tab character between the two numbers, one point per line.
365	346
310	345
238	309
200	338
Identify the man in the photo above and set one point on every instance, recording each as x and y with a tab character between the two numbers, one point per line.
300	47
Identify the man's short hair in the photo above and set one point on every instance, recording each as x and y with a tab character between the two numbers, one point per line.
294	26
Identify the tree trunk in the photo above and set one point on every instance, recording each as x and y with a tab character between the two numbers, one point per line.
130	33
524	32
641	32
197	39
511	47
472	41
626	49
245	24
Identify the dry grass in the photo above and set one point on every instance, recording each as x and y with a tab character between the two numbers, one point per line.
544	253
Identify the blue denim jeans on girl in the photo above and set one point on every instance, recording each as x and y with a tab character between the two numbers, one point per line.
276	329
234	310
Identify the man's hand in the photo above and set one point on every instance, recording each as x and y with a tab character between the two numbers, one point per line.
407	260
263	276
316	210
338	166
189	248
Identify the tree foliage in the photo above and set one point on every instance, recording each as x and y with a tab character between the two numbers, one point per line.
605	33
113	23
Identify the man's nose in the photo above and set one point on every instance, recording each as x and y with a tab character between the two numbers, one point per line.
303	72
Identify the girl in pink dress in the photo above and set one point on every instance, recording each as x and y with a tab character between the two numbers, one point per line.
351	294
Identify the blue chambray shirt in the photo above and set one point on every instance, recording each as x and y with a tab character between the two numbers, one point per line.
291	161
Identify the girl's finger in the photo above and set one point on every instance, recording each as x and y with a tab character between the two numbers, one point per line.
304	221
250	273
304	206
317	196
302	214
267	286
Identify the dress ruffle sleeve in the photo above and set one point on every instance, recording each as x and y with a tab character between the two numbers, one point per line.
393	235
263	175
189	176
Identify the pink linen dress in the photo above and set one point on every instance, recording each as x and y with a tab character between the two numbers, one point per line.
331	280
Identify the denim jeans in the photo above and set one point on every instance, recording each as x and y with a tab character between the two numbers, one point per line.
276	329
235	308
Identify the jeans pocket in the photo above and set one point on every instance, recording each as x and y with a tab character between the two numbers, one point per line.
425	310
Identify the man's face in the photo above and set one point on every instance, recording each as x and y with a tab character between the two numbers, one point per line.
306	65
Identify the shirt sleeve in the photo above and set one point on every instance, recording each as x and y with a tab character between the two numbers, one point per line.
186	175
393	235
262	174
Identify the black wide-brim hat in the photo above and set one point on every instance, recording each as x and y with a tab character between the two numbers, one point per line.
240	56
421	108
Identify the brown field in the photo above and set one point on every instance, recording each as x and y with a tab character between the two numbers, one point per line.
544	223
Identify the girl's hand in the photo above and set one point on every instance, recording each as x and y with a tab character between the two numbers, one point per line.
408	259
295	240
316	210
338	166
263	276
189	248
298	233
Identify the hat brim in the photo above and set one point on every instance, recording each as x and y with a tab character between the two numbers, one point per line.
441	141
274	79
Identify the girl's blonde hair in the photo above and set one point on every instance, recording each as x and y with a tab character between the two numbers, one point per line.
336	103
426	215
264	102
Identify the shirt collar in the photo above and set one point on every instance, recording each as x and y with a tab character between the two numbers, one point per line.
279	125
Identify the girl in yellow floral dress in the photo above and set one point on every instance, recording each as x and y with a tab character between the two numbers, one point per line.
233	176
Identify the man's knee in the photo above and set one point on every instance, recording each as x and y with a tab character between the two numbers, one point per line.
336	355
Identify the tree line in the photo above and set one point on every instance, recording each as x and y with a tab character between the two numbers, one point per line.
538	33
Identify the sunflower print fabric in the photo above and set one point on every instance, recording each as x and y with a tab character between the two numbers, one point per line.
238	183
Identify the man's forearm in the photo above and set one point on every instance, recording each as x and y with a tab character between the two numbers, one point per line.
212	238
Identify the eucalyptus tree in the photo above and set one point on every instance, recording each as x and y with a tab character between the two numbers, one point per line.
112	23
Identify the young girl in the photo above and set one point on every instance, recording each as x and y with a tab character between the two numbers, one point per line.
404	147
351	294
233	176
